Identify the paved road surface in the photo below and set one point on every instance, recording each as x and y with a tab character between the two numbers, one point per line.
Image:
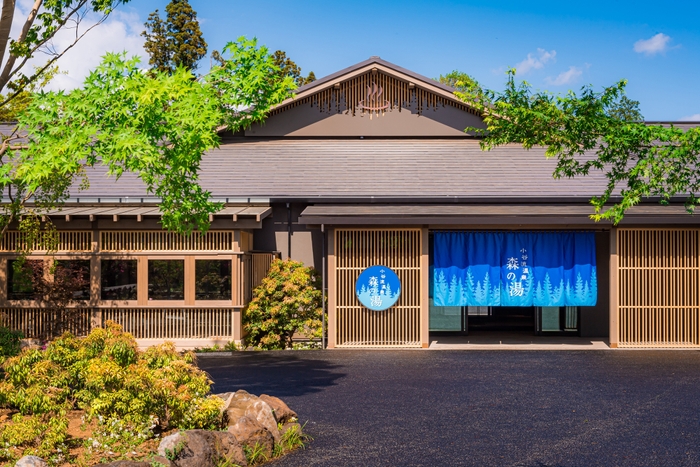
457	408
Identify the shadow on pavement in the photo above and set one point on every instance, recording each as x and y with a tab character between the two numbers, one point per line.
278	373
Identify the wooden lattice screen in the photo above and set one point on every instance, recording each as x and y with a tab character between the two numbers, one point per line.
658	289
173	323
36	322
68	240
357	326
386	92
160	240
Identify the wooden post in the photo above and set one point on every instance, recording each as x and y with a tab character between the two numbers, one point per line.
424	285
142	280
189	280
4	263
614	290
331	289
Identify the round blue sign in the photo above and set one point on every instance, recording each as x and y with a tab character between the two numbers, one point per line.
378	288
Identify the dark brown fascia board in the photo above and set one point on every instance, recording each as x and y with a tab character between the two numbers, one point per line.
363	67
583	221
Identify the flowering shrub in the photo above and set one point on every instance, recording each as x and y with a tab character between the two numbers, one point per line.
287	301
129	394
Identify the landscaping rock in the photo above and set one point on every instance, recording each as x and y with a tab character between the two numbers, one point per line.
249	432
244	404
263	413
202	448
31	461
280	410
227	398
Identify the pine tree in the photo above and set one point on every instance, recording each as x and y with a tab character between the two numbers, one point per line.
469	287
461	295
479	294
580	295
440	288
452	297
289	68
594	286
548	290
177	41
487	289
539	295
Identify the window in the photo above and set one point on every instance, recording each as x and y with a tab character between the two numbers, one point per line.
166	279
73	275
20	285
212	279
118	279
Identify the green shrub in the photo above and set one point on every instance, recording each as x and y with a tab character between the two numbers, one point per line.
9	342
128	393
287	301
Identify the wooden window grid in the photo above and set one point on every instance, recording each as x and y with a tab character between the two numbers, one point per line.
658	296
398	249
160	240
68	240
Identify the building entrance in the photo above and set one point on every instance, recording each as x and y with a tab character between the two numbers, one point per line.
554	321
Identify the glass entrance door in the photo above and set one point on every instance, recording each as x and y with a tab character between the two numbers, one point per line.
558	320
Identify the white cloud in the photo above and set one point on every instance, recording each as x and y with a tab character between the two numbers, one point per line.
121	32
690	118
654	45
566	77
535	63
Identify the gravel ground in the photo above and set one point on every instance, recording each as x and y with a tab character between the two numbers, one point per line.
457	408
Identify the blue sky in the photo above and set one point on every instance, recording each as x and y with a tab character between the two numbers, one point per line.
555	45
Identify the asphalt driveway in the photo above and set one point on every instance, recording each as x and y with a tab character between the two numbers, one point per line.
480	408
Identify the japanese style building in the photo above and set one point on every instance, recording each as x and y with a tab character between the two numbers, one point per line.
371	166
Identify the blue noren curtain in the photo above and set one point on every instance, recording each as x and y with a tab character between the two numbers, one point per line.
514	269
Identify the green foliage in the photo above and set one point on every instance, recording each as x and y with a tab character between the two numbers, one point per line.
9	342
36	31
625	109
598	131
243	86
175	42
228	347
171	454
288	68
294	438
255	454
128	393
467	87
288	300
156	125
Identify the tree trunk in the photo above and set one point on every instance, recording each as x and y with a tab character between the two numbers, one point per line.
8	12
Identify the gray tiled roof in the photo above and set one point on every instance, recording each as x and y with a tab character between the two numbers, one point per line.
371	168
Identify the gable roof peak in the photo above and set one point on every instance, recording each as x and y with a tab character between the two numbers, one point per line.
374	59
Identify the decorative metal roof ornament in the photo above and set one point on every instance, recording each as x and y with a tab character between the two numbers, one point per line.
374	101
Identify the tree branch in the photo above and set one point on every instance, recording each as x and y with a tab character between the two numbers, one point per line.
8	13
5	76
50	62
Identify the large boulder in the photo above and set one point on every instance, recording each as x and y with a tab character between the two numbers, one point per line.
31	461
243	404
280	410
202	448
250	433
